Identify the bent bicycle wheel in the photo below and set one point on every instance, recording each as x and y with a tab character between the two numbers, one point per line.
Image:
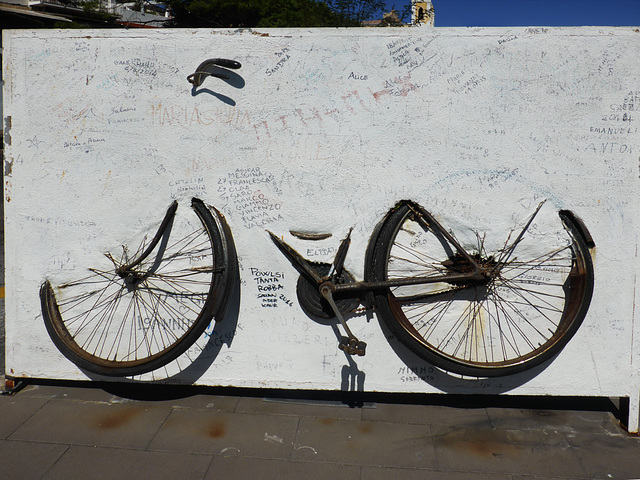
536	294
150	305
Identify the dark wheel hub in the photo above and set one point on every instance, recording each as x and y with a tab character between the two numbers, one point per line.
314	304
459	264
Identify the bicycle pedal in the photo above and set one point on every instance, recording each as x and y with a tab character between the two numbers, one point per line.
352	346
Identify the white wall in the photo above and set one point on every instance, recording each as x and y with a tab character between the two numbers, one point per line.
475	124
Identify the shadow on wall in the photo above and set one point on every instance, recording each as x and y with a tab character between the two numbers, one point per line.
418	370
199	358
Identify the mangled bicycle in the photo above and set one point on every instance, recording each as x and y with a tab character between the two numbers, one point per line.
485	309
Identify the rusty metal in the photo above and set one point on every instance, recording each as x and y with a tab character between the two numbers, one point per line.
569	216
341	255
315	305
210	296
429	221
349	344
310	235
338	280
298	261
125	271
13	386
320	284
202	72
317	280
352	346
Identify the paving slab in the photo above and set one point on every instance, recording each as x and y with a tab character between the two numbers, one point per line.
596	422
27	460
364	443
83	391
68	431
185	397
240	468
178	396
301	408
219	403
90	423
387	473
245	434
16	411
427	415
607	456
545	477
528	452
81	463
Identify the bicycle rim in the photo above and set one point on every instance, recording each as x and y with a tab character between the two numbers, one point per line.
114	326
519	319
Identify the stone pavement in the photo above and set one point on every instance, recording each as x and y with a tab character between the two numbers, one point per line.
91	431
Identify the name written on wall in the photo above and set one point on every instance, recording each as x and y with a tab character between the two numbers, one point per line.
269	288
252	194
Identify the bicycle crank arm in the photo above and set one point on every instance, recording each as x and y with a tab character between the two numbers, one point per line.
349	344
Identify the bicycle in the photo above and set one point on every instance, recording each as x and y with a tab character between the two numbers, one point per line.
484	313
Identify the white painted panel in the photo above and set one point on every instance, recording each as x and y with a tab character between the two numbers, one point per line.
322	130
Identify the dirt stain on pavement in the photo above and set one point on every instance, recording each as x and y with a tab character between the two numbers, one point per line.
365	428
481	444
327	421
217	429
116	419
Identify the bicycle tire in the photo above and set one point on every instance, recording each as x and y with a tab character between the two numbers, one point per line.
115	326
519	319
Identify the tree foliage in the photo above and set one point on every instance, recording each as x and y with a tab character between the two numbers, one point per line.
255	13
357	10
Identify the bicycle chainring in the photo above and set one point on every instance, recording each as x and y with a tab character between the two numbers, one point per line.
312	301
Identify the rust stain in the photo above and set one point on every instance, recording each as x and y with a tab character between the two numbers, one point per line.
327	421
217	429
481	444
117	419
354	445
365	428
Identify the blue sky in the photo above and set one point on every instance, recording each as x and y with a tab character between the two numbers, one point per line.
496	13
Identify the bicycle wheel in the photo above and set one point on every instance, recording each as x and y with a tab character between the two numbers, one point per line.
143	309
536	292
